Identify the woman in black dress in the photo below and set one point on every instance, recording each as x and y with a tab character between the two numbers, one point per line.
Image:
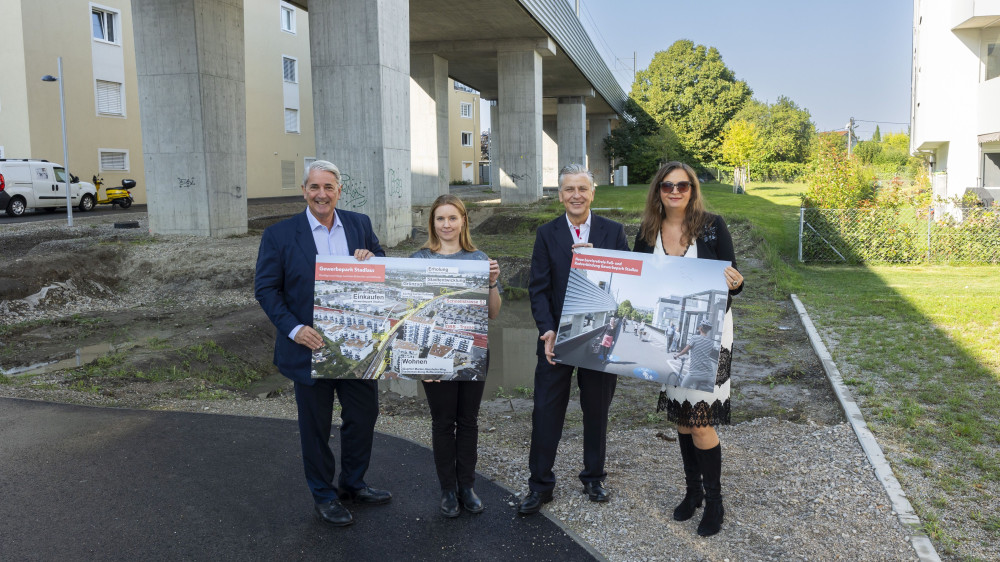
675	223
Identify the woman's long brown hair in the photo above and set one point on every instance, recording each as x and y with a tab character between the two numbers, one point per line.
695	216
464	239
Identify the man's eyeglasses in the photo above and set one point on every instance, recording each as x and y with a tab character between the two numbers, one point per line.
679	187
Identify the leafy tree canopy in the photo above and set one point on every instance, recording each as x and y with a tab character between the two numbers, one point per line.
690	89
742	143
785	129
640	143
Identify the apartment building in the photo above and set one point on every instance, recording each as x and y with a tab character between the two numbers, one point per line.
955	118
464	143
97	45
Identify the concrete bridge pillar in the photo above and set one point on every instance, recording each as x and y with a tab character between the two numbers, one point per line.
495	147
360	52
597	162
429	127
571	119
192	105
519	76
550	151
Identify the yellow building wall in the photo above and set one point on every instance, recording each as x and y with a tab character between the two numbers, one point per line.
268	145
460	156
63	28
30	125
15	135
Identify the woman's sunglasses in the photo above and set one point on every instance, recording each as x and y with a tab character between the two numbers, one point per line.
680	187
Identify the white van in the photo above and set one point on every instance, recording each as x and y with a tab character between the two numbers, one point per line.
40	184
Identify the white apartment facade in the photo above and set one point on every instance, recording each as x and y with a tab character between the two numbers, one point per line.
955	109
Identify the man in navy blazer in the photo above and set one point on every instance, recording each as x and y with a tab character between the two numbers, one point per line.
550	266
284	285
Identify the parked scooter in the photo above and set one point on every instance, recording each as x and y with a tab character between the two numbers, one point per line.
115	195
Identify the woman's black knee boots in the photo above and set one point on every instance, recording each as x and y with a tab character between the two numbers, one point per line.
692	477
710	462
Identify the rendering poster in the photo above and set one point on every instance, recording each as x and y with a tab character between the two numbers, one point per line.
401	317
657	318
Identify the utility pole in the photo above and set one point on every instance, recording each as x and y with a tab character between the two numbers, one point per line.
633	67
850	134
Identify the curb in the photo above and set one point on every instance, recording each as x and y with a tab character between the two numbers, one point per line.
904	511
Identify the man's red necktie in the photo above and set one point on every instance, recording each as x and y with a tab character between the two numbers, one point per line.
577	231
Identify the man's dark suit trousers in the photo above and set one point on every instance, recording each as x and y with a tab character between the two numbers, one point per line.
359	410
552	388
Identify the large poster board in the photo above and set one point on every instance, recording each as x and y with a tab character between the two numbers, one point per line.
401	317
631	314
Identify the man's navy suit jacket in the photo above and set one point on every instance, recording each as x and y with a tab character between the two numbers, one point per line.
550	265
285	282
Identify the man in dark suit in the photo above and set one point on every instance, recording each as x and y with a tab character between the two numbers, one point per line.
284	285
550	266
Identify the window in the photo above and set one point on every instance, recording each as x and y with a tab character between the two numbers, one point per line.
104	24
113	160
109	98
991	169
287	18
291	120
467	110
991	52
466	138
290	69
992	60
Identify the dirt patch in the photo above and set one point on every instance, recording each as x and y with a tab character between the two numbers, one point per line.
508	223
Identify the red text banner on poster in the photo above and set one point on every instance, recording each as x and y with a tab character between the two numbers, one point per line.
607	264
350	272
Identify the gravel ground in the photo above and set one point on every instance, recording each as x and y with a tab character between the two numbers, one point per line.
792	490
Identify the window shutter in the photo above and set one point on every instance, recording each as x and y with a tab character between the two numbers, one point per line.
291	120
109	98
113	161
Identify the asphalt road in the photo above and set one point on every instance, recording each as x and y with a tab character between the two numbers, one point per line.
84	483
37	215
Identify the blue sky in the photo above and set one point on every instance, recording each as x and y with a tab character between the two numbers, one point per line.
837	59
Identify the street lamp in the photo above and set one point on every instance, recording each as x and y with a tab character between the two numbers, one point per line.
62	110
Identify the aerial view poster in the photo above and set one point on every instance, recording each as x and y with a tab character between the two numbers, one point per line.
657	318
401	317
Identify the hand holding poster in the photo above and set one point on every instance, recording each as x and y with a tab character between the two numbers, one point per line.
657	318
401	317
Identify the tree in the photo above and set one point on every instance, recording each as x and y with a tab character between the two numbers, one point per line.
877	136
641	144
689	88
741	143
786	130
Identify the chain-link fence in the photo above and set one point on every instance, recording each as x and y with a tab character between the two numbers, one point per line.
901	235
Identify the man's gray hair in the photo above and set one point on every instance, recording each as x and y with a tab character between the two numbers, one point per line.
574	169
321	165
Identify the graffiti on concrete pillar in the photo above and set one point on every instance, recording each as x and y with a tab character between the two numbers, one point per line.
234	191
353	193
186	182
395	185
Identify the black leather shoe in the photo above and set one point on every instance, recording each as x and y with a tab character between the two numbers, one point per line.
367	495
333	513
533	502
595	491
449	503
470	501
